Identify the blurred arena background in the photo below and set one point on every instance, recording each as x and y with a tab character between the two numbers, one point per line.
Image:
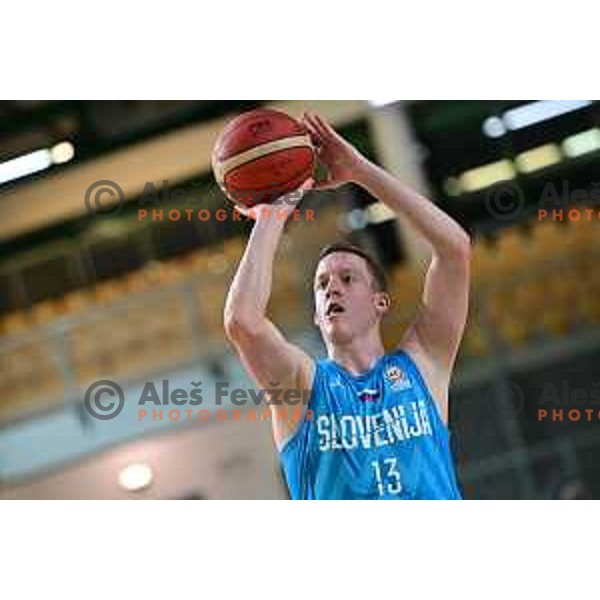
90	291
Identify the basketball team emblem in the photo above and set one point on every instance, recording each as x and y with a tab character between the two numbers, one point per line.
397	379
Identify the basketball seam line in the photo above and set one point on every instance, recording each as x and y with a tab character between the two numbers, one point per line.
309	166
222	168
297	176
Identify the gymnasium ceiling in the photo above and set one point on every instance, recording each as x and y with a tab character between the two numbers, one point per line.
126	141
99	125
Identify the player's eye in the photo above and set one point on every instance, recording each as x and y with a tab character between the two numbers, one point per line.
347	278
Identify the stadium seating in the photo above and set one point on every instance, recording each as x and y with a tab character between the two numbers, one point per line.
30	380
529	285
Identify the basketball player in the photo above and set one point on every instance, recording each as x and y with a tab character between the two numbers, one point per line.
375	426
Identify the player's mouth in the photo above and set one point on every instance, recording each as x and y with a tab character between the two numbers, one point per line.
334	310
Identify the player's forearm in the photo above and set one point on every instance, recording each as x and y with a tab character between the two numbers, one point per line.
444	234
251	287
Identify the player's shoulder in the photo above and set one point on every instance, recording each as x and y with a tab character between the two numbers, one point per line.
323	367
328	375
428	374
397	358
418	353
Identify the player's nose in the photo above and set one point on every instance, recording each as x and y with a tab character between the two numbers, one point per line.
332	290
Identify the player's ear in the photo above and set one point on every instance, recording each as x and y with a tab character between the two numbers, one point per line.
383	302
315	318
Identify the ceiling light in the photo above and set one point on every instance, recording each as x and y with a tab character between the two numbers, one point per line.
538	158
24	165
487	175
135	477
63	152
582	143
494	127
543	110
380	103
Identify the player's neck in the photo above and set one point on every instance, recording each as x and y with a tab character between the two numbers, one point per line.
359	355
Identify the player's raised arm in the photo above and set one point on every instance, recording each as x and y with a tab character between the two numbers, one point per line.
441	318
440	322
268	357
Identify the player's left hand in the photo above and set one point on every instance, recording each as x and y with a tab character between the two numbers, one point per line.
340	158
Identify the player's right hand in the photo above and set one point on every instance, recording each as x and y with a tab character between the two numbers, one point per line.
285	205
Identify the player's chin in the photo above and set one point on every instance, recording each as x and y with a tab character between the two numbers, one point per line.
336	332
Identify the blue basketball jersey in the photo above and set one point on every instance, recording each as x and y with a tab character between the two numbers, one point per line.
378	435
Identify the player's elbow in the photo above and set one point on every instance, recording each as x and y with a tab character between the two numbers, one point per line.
239	325
458	247
455	250
232	324
463	246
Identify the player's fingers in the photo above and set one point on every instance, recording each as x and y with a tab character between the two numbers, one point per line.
314	125
314	134
244	210
241	208
309	184
306	121
324	129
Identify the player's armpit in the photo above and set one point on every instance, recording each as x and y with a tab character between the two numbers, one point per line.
436	379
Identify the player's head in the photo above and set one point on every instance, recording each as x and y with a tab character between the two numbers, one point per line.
350	291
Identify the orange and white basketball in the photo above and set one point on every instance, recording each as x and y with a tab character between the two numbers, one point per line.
261	155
